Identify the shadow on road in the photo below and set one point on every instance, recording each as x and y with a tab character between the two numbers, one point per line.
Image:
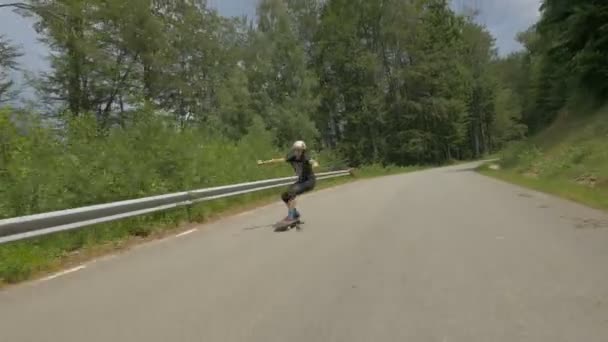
465	169
263	226
259	227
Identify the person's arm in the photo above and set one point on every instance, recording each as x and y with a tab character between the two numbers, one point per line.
271	161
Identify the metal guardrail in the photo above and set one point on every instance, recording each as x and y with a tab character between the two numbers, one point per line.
25	227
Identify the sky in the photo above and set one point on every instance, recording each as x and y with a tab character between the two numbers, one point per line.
503	18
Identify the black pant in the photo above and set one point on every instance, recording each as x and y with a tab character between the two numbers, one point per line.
297	189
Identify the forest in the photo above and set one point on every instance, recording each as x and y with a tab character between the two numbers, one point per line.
151	96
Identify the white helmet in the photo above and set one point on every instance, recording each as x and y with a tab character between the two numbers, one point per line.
299	145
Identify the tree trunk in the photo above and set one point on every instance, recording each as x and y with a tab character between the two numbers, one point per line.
75	93
475	141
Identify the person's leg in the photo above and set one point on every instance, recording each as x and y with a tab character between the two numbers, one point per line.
293	212
299	189
288	198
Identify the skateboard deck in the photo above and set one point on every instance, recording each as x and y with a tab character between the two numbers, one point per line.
284	226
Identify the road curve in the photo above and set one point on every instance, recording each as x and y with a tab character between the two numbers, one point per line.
441	255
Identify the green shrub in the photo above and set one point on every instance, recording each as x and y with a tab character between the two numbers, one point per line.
43	168
520	156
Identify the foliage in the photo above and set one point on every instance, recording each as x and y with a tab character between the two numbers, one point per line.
43	169
8	62
390	82
280	82
560	85
569	159
564	64
403	82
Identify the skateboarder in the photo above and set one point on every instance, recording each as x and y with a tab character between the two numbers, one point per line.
303	166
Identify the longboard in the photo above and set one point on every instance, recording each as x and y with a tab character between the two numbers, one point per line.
282	226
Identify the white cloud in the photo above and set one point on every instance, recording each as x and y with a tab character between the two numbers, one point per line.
506	18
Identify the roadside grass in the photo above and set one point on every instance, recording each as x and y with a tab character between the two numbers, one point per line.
30	259
592	197
569	159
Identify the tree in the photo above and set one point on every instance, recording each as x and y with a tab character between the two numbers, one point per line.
305	16
388	81
577	30
349	62
234	112
403	82
479	53
8	62
280	84
565	58
512	92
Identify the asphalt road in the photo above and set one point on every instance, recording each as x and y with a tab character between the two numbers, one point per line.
442	255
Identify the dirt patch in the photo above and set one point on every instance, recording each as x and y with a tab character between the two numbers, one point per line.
534	174
587	180
602	183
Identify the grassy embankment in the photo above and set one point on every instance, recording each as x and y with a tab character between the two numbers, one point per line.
569	159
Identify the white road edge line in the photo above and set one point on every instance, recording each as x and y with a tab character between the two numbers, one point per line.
62	273
186	232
